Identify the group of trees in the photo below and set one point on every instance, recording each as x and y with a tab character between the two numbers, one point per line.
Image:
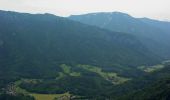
15	97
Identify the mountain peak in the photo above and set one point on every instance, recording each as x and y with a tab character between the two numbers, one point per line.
105	14
120	13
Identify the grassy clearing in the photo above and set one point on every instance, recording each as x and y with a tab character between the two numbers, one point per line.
36	95
67	71
110	76
48	96
154	68
151	68
66	68
18	89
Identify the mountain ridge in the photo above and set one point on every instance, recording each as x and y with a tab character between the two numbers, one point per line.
152	33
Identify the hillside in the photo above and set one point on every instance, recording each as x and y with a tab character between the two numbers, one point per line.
45	40
158	91
57	55
152	33
155	87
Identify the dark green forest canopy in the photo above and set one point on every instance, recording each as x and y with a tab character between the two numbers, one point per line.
155	86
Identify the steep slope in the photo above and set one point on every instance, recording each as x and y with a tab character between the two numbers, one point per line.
163	25
153	34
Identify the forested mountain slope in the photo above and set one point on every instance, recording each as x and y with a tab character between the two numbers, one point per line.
30	43
152	33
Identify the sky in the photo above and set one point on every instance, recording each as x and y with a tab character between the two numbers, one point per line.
155	9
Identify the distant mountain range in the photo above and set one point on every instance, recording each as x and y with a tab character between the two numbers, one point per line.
152	33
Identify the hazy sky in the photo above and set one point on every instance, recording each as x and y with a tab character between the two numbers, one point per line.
157	9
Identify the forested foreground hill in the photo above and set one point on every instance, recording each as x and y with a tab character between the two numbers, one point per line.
160	90
155	86
47	54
